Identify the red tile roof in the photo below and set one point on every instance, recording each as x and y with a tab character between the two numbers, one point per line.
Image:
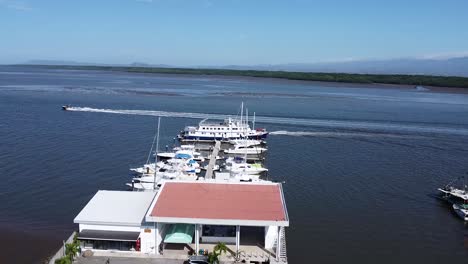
220	201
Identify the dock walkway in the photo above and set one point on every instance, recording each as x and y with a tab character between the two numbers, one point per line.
212	163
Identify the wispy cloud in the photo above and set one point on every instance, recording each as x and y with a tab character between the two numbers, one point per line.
445	55
15	5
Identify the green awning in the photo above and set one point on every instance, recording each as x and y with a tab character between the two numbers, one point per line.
180	233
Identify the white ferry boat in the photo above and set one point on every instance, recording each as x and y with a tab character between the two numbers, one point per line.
229	129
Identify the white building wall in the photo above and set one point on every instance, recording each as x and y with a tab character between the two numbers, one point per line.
271	233
109	228
162	230
147	242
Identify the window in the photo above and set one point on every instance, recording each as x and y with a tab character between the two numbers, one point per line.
219	231
108	245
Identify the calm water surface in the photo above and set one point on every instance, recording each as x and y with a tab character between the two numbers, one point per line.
360	165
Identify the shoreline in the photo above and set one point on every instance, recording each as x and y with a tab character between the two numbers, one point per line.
338	80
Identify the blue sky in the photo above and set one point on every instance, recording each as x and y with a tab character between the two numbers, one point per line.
222	32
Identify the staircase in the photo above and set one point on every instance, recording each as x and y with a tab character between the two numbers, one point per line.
282	254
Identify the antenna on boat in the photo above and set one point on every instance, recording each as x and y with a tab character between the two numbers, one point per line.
157	150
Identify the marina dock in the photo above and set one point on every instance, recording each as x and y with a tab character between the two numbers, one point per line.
152	222
212	163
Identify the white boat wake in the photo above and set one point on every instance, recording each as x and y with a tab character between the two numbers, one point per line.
325	123
335	134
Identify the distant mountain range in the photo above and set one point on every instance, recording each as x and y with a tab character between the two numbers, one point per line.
75	63
443	67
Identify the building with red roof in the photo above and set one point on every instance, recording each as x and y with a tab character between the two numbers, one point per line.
189	218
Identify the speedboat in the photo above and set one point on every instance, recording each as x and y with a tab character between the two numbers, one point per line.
184	151
242	149
243	177
188	166
66	107
238	165
245	142
153	182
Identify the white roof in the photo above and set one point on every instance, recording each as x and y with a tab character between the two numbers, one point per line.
116	208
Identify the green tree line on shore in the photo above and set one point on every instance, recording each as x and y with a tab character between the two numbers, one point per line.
425	80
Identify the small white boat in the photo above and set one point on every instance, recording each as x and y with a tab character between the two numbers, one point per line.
461	210
239	166
242	177
190	166
215	167
145	183
249	150
245	142
137	186
185	151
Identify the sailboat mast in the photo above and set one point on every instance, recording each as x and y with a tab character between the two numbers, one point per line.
253	122
242	111
246	117
157	150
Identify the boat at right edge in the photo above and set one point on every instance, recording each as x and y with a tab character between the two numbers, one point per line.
457	197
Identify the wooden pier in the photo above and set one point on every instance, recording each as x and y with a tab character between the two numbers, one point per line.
212	163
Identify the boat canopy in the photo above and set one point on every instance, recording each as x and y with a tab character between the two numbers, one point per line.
180	234
183	156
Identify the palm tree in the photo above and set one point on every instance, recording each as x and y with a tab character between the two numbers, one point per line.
220	248
71	250
213	257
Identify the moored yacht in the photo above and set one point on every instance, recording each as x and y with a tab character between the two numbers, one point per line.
246	142
230	128
238	165
248	150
